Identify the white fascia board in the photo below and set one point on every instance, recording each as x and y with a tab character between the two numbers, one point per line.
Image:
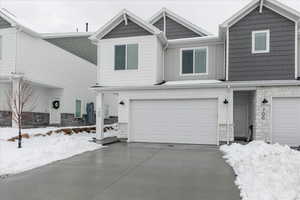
227	84
14	23
64	35
287	8
205	39
240	13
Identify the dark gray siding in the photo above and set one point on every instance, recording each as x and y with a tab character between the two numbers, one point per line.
278	64
4	23
129	30
175	30
79	46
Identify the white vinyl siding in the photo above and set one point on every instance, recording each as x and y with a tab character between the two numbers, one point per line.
194	61
145	74
190	121
286	121
261	41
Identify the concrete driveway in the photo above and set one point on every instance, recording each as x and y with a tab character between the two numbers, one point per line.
129	172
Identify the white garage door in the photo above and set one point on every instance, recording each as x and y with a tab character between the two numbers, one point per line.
286	121
174	121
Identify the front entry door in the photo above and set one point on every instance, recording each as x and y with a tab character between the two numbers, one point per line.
240	116
54	113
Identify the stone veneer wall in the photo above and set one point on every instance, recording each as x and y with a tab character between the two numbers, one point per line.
225	132
5	118
30	119
263	123
35	119
69	119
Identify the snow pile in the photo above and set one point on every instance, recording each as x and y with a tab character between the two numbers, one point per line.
38	151
7	133
264	171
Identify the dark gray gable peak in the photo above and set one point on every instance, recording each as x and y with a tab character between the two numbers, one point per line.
126	24
130	29
175	30
4	23
176	27
278	64
274	5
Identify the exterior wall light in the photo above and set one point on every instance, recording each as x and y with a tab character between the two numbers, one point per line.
122	103
225	101
265	101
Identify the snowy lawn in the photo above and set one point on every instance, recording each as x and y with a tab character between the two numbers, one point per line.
265	171
41	150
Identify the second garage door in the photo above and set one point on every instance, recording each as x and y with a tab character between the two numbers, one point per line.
286	121
190	121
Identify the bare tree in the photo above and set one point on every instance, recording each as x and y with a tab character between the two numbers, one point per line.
18	99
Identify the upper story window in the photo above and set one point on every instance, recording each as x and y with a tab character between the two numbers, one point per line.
194	61
126	56
261	41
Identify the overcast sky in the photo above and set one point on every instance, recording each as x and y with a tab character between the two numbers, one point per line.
66	15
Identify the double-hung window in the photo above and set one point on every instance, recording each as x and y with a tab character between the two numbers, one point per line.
194	61
126	56
261	41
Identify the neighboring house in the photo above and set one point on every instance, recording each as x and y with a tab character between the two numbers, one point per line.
60	67
176	83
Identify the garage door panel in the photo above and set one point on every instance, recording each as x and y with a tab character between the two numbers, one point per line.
286	121
174	121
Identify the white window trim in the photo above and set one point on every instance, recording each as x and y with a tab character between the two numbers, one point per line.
267	42
194	74
126	68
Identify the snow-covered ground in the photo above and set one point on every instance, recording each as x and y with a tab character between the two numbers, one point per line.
265	171
39	151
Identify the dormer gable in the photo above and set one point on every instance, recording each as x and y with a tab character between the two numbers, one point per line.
126	24
176	27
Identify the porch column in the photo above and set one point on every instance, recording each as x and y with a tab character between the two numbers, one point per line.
99	116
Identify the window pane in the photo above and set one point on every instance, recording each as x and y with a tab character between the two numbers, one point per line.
187	61
78	108
120	57
132	56
260	41
200	60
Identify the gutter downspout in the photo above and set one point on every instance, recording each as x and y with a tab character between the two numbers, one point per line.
18	29
163	59
227	118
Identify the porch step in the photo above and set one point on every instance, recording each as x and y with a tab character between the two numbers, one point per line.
107	140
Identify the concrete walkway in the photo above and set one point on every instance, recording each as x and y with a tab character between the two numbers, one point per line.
129	172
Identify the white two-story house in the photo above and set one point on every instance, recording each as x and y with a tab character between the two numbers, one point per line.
60	68
176	83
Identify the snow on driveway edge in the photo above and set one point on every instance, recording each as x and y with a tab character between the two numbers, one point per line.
264	171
